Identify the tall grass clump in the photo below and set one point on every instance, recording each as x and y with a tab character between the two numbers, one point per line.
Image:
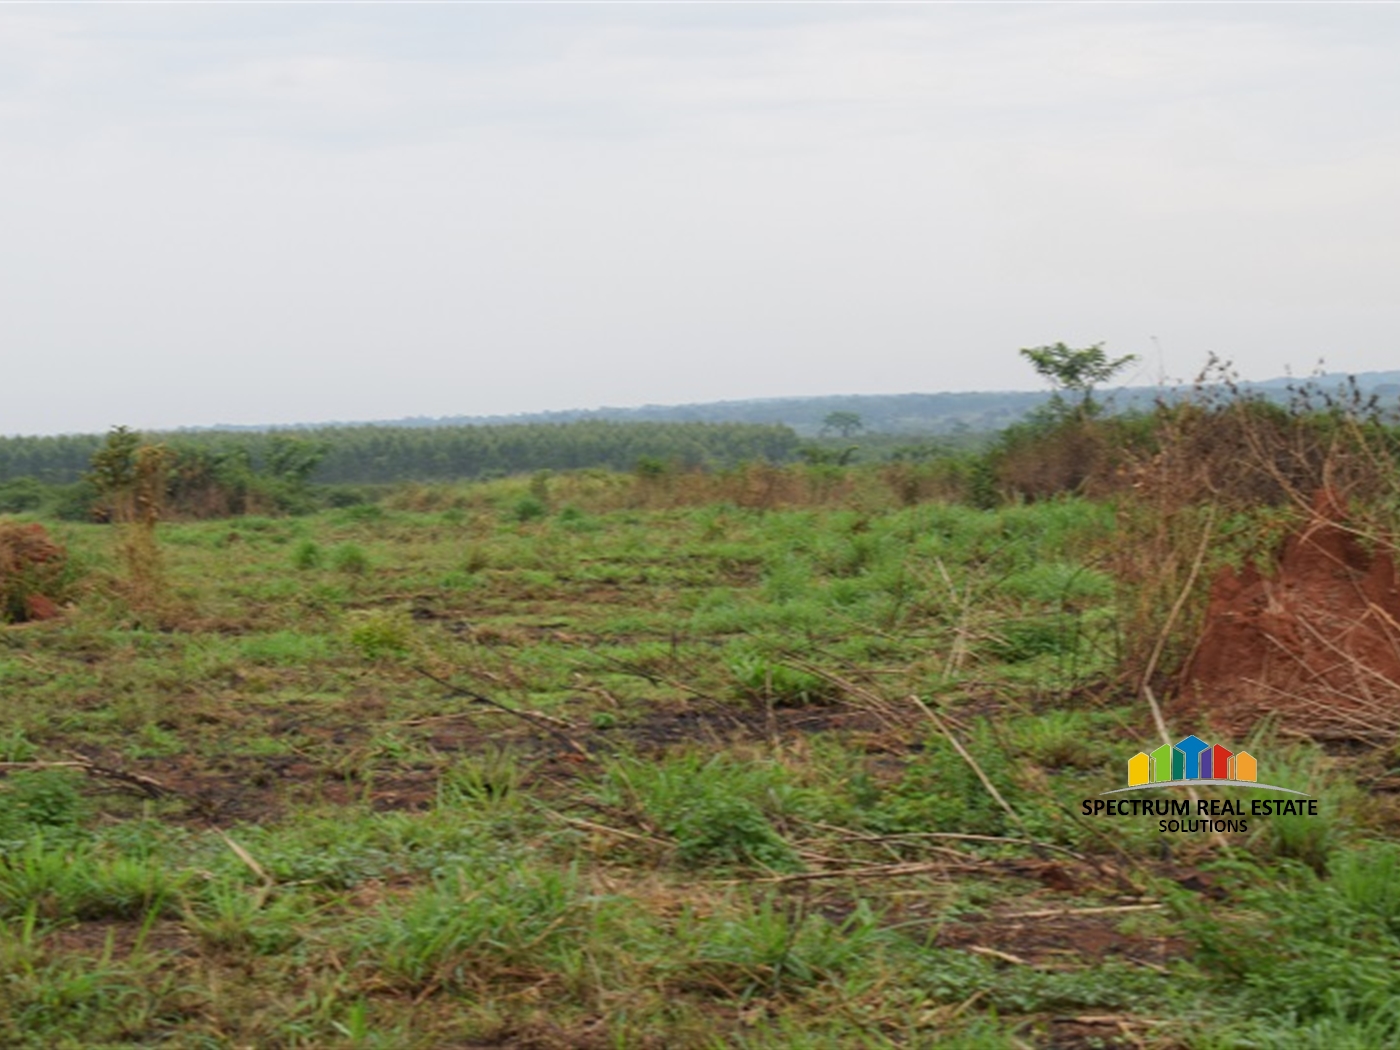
716	811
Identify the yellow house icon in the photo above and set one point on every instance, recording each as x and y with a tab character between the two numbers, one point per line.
1139	769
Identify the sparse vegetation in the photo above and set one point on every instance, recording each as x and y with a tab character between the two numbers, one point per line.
756	755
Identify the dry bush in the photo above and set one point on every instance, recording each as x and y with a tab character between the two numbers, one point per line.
913	483
1231	480
143	503
34	573
1082	456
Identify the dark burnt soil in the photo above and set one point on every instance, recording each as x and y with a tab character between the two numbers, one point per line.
341	764
1068	940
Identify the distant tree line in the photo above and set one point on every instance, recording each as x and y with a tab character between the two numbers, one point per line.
367	454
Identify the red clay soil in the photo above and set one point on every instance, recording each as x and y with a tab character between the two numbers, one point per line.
23	549
1316	643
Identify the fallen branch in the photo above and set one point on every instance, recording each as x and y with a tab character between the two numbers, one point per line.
531	718
148	786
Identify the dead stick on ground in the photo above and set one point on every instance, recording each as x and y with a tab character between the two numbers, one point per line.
986	783
268	882
588	825
874	703
1003	956
1049	913
148	786
959	836
881	871
530	718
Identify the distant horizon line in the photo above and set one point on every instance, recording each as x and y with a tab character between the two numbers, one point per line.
461	419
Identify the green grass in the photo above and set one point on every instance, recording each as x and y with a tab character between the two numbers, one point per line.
697	808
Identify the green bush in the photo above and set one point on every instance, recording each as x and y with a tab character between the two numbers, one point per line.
528	508
20	495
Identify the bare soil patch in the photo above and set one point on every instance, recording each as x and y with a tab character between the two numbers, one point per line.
1314	643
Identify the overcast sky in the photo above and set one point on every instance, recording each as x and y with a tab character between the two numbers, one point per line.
262	214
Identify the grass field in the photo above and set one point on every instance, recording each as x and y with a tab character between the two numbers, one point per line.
576	762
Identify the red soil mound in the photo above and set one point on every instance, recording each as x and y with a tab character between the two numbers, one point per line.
1316	643
28	560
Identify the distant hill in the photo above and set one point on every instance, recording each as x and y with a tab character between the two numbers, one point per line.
909	414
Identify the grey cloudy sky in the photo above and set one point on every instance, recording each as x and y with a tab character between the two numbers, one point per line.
224	213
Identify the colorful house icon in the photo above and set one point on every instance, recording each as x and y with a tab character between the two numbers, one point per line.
1190	758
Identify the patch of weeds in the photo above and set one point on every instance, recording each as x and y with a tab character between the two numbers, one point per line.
235	918
308	555
476	926
361	513
1058	582
716	810
762	678
1304	767
41	798
572	519
1299	951
1058	739
351	559
154	741
528	508
66	879
478	781
284	649
73	1001
459	581
1024	639
16	746
771	945
788	578
940	792
378	634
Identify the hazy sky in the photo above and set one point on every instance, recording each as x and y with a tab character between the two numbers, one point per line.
229	213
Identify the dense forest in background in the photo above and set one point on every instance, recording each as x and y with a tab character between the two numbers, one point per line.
213	472
372	454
